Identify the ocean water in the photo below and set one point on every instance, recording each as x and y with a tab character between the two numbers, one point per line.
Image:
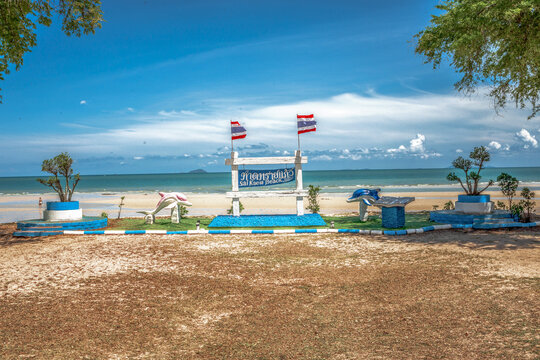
342	181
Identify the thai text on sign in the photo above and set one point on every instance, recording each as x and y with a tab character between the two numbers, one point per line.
248	178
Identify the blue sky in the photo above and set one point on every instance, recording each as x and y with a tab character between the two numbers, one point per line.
155	88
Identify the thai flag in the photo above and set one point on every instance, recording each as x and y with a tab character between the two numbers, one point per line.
306	123
237	130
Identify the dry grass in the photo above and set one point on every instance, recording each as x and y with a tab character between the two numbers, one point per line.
436	295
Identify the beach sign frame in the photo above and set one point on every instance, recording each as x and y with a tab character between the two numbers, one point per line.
299	193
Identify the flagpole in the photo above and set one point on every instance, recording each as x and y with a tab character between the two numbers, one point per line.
232	141
297	132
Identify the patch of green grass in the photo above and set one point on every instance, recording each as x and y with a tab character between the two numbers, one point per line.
187	223
412	221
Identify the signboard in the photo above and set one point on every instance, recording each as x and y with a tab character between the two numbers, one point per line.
248	178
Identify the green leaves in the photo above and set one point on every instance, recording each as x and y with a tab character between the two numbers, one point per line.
19	19
478	157
60	165
495	43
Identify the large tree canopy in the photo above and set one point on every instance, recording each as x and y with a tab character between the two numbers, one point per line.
19	19
490	42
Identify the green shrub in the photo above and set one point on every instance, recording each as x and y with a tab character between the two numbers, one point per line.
241	206
182	210
449	205
508	185
104	215
527	204
500	205
313	199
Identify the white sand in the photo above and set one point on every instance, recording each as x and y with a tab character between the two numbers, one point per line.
21	207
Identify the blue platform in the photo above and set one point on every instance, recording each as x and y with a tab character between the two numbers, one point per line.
50	228
456	217
250	221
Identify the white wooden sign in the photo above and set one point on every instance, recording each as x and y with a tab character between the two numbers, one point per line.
236	194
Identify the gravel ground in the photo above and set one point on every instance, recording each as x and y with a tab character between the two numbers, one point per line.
447	294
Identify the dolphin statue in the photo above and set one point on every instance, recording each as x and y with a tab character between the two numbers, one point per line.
167	201
365	197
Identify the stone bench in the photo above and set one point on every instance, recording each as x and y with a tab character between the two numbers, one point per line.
393	210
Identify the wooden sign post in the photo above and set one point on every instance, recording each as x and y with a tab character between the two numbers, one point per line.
298	192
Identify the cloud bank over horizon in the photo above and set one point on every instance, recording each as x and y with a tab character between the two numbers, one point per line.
354	131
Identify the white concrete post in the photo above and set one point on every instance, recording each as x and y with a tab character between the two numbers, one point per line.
299	182
234	179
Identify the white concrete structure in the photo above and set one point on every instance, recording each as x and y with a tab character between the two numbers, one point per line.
298	192
62	215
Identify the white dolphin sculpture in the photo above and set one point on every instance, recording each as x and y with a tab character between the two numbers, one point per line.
167	201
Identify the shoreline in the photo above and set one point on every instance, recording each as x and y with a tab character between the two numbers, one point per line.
25	207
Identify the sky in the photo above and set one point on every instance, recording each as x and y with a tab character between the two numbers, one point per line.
153	91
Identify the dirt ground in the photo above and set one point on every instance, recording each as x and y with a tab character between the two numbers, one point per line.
439	295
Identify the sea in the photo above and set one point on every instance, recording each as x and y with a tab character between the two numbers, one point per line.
330	181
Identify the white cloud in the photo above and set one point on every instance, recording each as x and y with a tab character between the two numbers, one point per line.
322	158
494	145
527	138
138	157
130	109
367	126
83	102
459	151
417	144
415	149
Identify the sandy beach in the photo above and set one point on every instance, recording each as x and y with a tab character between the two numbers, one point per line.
22	207
463	295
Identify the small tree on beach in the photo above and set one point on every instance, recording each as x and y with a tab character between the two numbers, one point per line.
478	157
120	206
313	199
527	204
60	165
508	185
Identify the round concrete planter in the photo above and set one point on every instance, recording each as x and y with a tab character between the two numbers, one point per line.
474	204
60	211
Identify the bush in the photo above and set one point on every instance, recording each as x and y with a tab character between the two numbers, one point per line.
60	165
182	210
313	199
230	211
501	206
120	206
527	204
449	205
478	157
508	185
104	215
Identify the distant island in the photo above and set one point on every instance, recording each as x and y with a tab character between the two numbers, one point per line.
198	171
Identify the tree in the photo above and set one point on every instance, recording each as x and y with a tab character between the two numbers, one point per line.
491	42
527	204
19	20
478	157
508	185
60	165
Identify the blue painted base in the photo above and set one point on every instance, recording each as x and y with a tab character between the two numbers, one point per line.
47	228
393	217
455	217
229	221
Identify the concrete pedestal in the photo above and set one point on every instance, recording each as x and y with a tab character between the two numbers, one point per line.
62	211
474	204
393	217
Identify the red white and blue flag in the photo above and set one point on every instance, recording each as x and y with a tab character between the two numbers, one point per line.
306	123
237	130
